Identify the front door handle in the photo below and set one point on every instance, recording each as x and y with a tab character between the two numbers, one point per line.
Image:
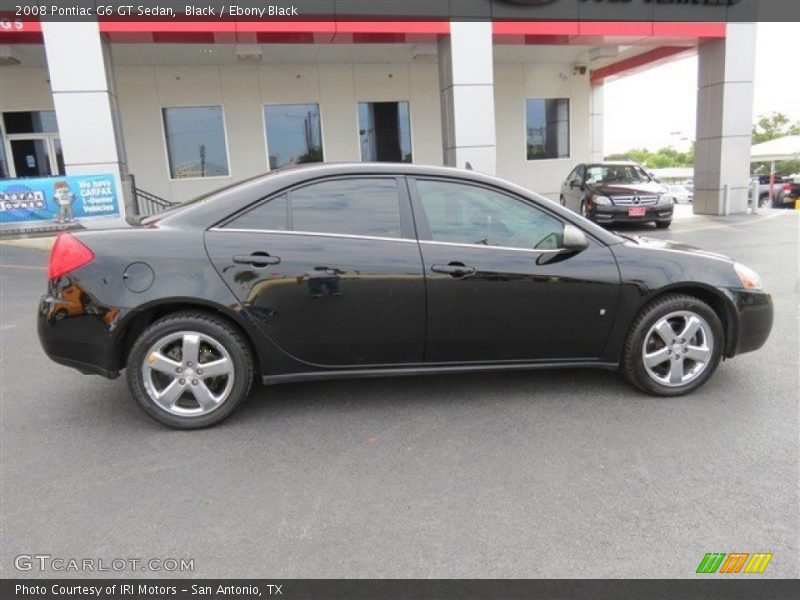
454	269
257	259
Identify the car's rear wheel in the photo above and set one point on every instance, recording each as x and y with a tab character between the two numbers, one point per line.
189	370
674	346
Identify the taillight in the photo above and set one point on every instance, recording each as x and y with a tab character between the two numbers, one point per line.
68	254
787	187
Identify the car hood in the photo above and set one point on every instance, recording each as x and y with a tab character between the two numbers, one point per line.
627	189
655	244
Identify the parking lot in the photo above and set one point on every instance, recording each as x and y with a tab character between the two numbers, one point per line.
542	474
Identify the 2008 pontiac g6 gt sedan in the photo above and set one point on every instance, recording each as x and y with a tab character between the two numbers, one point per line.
360	270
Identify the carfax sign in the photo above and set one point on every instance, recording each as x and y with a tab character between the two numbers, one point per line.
58	200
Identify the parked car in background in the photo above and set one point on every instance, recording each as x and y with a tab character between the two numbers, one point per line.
792	194
617	192
377	269
779	189
680	194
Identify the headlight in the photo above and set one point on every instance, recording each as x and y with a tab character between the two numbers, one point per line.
664	199
749	278
601	200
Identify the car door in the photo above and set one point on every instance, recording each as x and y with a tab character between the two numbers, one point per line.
331	271
499	288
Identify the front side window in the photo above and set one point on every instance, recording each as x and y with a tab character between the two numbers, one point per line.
384	131
294	134
466	214
616	174
195	141
547	128
368	206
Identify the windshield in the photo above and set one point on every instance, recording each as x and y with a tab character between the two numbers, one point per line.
616	174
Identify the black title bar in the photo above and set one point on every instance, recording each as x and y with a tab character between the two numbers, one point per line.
400	10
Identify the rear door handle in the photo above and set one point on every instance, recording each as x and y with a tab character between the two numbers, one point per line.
455	269
257	259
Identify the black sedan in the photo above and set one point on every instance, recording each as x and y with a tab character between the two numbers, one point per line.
330	271
617	192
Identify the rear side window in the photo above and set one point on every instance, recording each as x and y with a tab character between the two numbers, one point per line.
358	206
272	215
347	206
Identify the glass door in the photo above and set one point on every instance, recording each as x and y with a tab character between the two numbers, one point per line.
35	156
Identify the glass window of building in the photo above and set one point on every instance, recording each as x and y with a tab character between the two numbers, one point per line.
196	141
385	131
294	134
547	128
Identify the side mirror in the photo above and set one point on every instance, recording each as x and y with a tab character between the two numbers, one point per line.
574	239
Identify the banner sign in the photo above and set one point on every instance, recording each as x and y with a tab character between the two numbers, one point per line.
58	200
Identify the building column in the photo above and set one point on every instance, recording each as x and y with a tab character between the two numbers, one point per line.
82	83
726	70
596	153
466	83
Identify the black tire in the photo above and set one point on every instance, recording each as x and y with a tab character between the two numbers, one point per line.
584	212
217	329
633	367
663	224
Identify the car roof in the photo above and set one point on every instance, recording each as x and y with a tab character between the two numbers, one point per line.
614	163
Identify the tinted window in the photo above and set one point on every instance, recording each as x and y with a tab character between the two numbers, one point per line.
547	128
272	215
466	214
385	131
348	206
294	135
195	141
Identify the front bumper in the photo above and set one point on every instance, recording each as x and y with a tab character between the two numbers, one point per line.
754	317
620	214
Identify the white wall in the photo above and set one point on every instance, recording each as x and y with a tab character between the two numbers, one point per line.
242	90
25	88
516	81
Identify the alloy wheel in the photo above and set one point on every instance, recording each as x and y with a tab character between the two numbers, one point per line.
188	373
678	348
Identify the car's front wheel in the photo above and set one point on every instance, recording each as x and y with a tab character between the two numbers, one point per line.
663	224
190	370
674	346
585	212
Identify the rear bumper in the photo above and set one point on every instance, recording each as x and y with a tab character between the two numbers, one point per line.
81	337
619	214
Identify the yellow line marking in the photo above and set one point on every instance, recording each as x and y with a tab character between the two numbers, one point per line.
23	267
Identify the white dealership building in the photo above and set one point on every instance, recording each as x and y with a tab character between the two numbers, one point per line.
187	107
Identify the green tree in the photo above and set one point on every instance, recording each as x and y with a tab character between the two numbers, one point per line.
662	158
772	126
